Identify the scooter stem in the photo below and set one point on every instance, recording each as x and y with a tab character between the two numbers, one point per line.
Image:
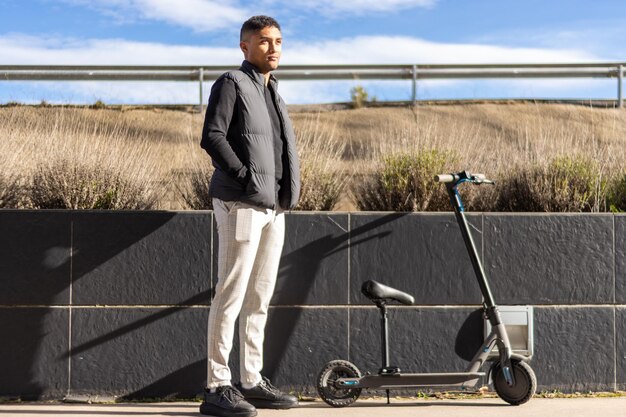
489	305
459	212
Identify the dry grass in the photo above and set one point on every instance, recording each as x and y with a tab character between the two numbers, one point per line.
323	175
503	141
488	136
158	149
80	159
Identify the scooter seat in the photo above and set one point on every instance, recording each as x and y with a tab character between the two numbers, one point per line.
376	291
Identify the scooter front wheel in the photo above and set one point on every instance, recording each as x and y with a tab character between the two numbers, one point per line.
326	388
525	382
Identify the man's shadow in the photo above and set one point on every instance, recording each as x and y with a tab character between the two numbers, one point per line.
302	281
40	258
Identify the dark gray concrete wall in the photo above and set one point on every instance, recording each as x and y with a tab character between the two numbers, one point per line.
116	303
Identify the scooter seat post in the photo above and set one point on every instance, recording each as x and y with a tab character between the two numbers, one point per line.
384	333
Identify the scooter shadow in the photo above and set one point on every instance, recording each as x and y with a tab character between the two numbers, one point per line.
406	404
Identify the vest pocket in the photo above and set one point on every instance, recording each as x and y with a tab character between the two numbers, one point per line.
260	190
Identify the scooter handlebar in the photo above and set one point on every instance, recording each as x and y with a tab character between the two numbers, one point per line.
445	178
475	178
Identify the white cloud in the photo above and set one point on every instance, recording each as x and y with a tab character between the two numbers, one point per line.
564	88
88	92
19	49
306	92
602	37
200	15
135	92
22	50
213	15
354	6
406	50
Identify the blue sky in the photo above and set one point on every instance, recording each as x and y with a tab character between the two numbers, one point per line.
205	32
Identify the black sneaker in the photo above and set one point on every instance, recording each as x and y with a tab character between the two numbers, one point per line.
226	402
265	395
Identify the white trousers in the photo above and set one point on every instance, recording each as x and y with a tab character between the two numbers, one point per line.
250	244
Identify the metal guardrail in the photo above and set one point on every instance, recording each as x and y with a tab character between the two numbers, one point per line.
320	72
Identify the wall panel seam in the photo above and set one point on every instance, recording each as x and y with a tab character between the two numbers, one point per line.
614	308
71	300
349	279
614	265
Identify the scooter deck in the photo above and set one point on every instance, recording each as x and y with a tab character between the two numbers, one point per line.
468	379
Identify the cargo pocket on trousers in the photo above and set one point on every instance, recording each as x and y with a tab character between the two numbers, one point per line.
243	226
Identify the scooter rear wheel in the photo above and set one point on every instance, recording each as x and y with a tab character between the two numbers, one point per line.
525	382
337	397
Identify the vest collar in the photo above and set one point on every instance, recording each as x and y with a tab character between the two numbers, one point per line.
254	73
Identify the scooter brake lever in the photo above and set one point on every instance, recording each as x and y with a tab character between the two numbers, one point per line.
480	179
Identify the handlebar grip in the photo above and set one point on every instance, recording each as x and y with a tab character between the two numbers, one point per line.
444	178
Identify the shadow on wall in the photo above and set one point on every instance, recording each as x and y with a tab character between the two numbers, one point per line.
159	259
311	273
167	387
469	338
164	276
36	271
307	277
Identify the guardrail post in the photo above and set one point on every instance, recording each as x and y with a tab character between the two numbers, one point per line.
620	76
201	81
414	92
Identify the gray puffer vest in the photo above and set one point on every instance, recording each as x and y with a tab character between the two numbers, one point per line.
257	140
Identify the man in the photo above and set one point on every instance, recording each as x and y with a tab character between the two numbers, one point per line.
248	134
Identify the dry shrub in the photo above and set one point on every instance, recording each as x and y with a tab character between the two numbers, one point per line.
11	191
69	184
405	183
511	144
565	184
616	200
480	197
193	182
322	175
76	165
397	170
12	148
194	190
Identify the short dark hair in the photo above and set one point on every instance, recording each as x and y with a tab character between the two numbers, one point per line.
257	23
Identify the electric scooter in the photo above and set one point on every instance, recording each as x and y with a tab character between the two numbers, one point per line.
340	382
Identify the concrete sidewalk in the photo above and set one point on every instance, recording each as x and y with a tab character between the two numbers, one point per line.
539	407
